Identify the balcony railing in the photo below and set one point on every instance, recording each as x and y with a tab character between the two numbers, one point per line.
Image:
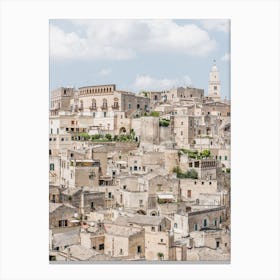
92	108
104	107
115	107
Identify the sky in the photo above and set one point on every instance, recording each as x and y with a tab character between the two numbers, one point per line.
136	54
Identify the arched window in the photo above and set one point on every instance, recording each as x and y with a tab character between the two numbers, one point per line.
104	105
116	103
93	104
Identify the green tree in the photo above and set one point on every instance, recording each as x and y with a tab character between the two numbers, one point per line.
164	122
84	136
205	154
108	136
192	174
154	114
160	256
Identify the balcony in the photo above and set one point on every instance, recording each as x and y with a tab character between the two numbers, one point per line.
92	108
104	107
115	107
81	108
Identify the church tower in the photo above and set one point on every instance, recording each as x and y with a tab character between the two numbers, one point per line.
214	87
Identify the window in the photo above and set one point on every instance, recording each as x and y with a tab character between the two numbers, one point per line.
101	247
189	193
182	123
104	103
104	114
139	250
135	168
57	131
153	229
121	251
225	157
220	157
124	187
217	244
51	131
129	106
196	164
110	195
220	219
195	182
205	222
215	222
138	106
50	152
175	225
215	87
195	227
181	132
51	166
161	240
190	164
202	183
62	223
140	202
92	205
210	183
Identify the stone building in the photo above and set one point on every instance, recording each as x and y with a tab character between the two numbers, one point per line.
185	223
118	197
61	214
124	241
191	189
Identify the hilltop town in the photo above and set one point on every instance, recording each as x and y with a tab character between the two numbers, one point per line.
139	177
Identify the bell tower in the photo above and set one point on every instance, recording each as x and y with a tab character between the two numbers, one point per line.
214	87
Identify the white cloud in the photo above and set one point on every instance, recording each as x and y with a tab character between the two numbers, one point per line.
216	24
146	82
124	39
226	57
104	72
